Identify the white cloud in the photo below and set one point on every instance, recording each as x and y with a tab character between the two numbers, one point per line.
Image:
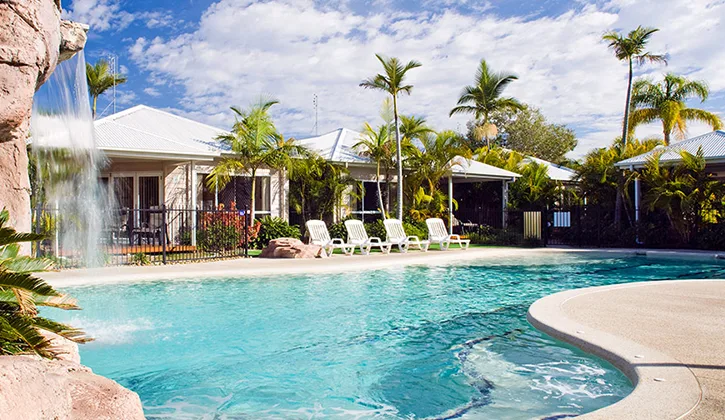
100	15
123	97
293	49
152	92
103	15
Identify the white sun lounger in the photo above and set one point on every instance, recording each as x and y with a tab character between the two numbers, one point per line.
358	236
396	236
320	236
437	234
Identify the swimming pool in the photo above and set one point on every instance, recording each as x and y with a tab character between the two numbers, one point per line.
414	342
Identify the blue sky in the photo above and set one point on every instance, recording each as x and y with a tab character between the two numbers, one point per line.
198	57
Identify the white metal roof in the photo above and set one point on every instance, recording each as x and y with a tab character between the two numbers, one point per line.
142	129
713	147
555	172
336	146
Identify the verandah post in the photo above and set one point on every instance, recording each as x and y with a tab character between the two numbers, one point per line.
163	233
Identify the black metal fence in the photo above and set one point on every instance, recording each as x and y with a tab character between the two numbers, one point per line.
592	226
142	236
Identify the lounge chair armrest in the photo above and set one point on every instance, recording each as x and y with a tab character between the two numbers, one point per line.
375	239
413	238
455	237
337	241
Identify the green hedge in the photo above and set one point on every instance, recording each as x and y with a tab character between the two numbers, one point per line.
273	228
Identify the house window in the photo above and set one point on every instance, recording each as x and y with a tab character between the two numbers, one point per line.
237	193
123	191
366	202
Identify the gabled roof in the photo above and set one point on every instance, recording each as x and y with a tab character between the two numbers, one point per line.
555	172
469	168
713	147
336	146
142	130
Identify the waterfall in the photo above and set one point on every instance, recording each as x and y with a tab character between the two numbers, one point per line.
70	203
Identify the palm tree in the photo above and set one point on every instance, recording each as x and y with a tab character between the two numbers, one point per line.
375	144
21	329
632	49
432	159
254	143
413	128
666	101
499	157
392	81
485	97
100	79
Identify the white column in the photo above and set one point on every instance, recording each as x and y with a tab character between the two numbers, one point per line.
636	199
504	201
450	204
192	175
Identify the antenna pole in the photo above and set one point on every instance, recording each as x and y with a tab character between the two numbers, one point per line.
314	103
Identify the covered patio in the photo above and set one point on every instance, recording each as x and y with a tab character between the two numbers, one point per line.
480	181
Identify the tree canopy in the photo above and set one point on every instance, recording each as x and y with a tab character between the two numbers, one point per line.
528	132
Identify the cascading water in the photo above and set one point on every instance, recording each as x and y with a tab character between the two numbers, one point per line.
68	197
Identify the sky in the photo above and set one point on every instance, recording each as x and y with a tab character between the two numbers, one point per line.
196	58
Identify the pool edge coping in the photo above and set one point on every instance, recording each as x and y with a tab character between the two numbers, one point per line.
547	316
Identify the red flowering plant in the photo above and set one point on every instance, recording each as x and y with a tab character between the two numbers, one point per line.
225	229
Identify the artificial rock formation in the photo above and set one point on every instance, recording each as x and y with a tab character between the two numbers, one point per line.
31	388
291	248
32	40
61	389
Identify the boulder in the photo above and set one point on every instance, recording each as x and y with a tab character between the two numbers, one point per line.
32	388
291	248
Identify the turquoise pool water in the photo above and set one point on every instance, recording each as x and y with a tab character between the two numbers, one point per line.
414	342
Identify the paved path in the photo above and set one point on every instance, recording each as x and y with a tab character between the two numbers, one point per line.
668	337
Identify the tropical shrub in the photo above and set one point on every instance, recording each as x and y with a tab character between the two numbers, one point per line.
338	230
484	235
317	187
687	194
140	258
224	231
273	228
21	293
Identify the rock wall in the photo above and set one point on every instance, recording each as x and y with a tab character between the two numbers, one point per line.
31	41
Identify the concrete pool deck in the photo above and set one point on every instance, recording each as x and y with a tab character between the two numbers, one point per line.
668	337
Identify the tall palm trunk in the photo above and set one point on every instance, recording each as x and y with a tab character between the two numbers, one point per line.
625	125
380	192
625	132
400	161
619	200
667	135
95	100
